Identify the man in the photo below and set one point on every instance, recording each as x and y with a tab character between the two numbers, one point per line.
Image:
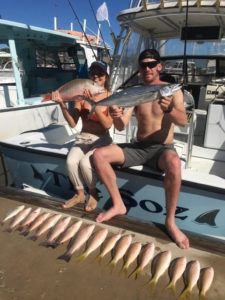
154	146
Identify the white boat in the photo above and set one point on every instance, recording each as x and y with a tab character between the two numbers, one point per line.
36	159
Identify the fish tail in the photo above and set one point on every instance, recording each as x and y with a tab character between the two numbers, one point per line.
171	286
98	258
186	293
20	228
111	266
46	97
9	229
81	258
55	245
151	283
136	273
124	270
201	296
65	256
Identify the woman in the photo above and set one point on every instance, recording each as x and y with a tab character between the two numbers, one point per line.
94	134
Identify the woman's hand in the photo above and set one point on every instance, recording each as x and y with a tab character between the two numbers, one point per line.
56	97
88	94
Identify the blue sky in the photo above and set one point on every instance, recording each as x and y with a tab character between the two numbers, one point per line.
41	13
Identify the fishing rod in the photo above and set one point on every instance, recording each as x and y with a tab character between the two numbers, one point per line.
82	28
109	56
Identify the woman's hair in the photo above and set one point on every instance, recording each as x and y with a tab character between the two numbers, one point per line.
107	82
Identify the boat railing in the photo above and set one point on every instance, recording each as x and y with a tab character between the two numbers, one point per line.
152	4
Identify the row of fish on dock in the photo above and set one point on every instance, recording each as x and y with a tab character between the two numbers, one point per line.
60	230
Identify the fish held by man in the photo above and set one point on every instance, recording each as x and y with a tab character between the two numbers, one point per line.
75	89
134	96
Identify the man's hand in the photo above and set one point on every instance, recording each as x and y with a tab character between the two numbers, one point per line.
166	102
116	111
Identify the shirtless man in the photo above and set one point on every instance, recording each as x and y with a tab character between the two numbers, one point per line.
154	146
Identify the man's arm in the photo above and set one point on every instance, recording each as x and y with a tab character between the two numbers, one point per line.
120	117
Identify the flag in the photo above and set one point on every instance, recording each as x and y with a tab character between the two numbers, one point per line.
102	13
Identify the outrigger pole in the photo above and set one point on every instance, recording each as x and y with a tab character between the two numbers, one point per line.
82	29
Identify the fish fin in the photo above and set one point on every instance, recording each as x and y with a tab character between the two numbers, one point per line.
46	97
65	256
186	293
171	286
81	258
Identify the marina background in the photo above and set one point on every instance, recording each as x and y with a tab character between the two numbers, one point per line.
41	13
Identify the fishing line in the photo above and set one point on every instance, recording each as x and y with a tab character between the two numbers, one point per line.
100	31
82	28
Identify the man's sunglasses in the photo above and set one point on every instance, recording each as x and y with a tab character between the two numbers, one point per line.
96	72
150	64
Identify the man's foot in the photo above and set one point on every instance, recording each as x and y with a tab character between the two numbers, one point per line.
92	202
178	236
112	212
73	201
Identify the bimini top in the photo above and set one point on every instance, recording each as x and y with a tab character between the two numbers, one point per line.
165	19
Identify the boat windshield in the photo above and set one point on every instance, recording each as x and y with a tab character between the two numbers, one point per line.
202	63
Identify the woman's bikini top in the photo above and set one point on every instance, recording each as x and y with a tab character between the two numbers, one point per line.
93	116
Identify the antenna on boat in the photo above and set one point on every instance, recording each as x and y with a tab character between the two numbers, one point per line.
114	40
185	47
82	29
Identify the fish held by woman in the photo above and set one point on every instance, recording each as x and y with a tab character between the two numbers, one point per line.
75	89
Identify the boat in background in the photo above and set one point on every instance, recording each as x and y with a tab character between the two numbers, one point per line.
42	60
36	159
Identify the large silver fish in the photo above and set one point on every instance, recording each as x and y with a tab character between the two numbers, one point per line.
134	96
